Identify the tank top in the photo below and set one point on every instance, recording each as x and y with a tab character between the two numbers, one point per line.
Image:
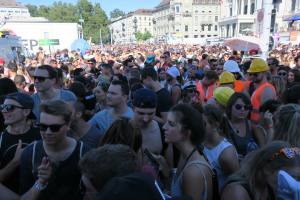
213	156
176	187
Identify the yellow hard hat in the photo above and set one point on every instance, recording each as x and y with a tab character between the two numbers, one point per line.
226	78
223	94
258	65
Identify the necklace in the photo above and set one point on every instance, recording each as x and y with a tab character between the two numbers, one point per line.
186	161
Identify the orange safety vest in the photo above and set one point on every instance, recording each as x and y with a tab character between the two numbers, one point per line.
205	95
256	100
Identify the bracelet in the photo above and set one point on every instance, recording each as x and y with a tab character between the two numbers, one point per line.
39	186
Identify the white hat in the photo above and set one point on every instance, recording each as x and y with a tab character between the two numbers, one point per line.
231	66
173	71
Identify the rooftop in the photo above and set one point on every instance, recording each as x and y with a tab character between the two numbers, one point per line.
10	4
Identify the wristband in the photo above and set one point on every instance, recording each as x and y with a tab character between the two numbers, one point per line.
39	186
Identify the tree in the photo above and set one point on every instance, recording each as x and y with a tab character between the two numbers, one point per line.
116	13
142	36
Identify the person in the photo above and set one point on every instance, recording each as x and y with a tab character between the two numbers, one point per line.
291	95
144	107
185	129
17	113
58	153
190	94
238	129
264	90
220	152
122	131
20	82
106	73
101	92
83	131
117	96
287	124
297	62
164	100
207	85
269	173
173	85
10	70
44	81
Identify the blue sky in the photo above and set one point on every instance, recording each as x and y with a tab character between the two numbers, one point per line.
107	5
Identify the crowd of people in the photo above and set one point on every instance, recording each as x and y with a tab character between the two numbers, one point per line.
151	122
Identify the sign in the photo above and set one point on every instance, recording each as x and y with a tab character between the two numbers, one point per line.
293	36
48	42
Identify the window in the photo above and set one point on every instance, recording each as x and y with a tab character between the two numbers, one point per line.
216	18
195	36
145	18
196	11
202	27
208	35
177	9
203	11
209	27
230	11
196	19
216	27
202	36
186	36
186	28
149	23
177	30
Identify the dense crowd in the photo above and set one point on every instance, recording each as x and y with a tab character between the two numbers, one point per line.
151	122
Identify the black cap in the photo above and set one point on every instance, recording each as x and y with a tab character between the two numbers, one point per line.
24	100
144	98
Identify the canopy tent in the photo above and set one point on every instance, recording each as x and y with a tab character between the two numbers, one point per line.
80	44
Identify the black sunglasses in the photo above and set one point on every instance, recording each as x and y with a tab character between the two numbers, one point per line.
253	74
239	107
40	78
9	107
282	74
53	127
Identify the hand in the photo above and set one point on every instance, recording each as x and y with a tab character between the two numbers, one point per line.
163	164
268	119
18	153
44	171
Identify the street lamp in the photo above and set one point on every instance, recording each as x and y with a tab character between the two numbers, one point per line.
81	21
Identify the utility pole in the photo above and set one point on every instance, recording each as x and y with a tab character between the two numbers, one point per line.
101	38
265	36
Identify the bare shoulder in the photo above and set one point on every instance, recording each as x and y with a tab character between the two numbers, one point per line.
235	191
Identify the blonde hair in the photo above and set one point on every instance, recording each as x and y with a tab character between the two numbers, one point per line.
287	125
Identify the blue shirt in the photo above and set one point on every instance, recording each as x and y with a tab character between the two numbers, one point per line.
105	118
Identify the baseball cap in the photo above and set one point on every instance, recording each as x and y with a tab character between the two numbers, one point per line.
189	84
144	98
173	71
150	59
24	100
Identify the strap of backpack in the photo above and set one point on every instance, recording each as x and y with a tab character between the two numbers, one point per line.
33	156
80	150
1	139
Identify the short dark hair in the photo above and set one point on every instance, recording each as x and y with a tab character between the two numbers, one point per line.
149	71
190	119
124	86
57	108
51	70
297	58
106	162
210	74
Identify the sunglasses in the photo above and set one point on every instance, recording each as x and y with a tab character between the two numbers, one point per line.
239	107
163	57
9	107
282	74
289	153
53	127
39	78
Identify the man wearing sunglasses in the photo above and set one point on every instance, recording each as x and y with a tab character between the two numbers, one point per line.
264	90
17	111
45	78
61	152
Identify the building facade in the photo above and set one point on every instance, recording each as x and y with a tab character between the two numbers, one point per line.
186	19
123	29
10	8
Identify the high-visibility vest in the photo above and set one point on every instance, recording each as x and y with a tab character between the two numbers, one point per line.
256	100
205	95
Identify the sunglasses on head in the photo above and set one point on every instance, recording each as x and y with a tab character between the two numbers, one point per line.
9	107
39	78
53	127
287	152
239	107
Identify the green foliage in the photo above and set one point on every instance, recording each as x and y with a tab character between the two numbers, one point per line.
93	15
142	36
116	13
